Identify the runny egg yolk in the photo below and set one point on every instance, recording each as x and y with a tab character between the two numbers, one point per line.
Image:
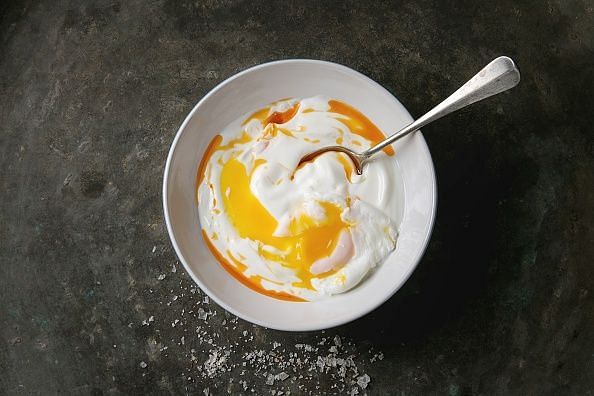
309	239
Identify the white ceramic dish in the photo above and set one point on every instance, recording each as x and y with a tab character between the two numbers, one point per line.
253	89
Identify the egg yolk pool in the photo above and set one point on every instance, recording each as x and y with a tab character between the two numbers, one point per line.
297	234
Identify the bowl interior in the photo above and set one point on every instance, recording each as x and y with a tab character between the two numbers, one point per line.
255	88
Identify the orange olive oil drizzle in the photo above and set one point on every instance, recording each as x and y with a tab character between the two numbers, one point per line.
358	123
254	285
210	149
259	115
282	117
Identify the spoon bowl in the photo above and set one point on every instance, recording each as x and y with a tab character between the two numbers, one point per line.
357	159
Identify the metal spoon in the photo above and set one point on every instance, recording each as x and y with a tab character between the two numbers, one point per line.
498	76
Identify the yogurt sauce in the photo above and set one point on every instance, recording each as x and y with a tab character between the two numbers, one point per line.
297	234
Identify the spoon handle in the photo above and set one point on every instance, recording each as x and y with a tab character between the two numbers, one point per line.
498	76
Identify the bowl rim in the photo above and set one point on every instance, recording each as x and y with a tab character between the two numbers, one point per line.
204	287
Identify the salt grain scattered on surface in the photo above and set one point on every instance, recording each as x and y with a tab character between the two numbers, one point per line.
244	365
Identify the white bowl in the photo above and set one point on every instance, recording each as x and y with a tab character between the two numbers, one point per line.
253	89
